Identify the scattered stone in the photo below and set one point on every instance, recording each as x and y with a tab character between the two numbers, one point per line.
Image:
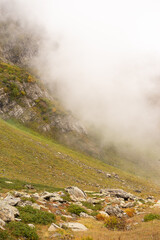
25	203
67	216
85	215
95	201
36	206
53	227
119	193
2	223
58	212
11	200
21	194
17	219
36	196
114	211
29	186
54	197
56	236
137	191
31	225
2	228
76	194
103	213
127	205
157	204
74	226
7	212
47	195
8	182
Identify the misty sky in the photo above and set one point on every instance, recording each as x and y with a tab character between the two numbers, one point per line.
107	64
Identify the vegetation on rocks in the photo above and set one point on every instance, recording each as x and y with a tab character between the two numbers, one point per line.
19	229
30	215
94	207
76	209
114	223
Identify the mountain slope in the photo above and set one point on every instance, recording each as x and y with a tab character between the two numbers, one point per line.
27	156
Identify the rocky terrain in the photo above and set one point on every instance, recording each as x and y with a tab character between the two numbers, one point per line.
22	97
63	213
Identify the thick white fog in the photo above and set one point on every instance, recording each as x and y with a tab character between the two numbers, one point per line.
104	58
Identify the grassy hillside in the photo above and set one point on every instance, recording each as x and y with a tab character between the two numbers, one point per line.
27	156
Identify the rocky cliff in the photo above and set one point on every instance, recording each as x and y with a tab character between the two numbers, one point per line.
24	98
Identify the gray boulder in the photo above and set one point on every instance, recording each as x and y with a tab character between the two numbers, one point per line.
76	194
114	211
77	227
2	223
7	212
11	200
54	197
53	227
119	193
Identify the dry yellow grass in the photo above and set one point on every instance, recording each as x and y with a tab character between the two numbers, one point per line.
140	231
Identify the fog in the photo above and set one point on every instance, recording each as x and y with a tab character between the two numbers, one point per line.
102	58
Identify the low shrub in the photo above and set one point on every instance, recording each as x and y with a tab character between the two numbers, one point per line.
64	218
101	217
151	216
4	235
94	213
31	215
28	199
19	229
66	197
75	209
114	223
130	212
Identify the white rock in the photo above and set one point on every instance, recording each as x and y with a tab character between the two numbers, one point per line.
53	227
36	206
36	196
11	200
2	223
75	226
76	194
7	212
31	225
103	213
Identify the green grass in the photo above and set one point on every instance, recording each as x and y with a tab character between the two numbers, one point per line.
31	215
14	184
94	207
151	216
19	229
4	235
31	158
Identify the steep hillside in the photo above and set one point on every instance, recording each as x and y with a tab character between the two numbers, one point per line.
27	156
23	97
